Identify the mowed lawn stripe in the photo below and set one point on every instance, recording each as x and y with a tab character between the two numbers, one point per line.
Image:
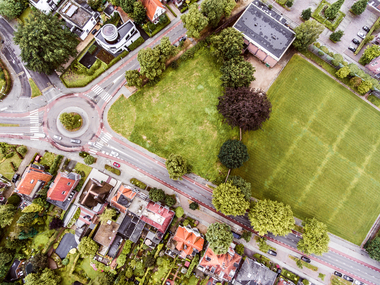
318	152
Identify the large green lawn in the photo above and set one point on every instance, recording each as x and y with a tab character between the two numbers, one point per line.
179	115
319	152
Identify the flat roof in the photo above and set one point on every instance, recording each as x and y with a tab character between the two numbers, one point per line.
75	13
106	233
265	29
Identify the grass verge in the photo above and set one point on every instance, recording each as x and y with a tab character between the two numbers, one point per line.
318	15
304	264
374	100
35	91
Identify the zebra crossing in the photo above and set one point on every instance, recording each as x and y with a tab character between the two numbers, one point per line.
97	89
105	137
92	151
106	97
34	121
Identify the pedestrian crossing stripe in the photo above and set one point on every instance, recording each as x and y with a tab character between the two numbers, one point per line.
97	89
34	112
92	151
106	97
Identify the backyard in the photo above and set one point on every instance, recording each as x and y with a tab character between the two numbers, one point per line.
319	152
178	115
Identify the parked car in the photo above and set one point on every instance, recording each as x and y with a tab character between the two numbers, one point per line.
348	278
94	31
361	35
357	282
365	28
183	39
336	273
23	205
77	141
352	49
279	270
356	41
15	177
116	164
271	252
306	259
37	158
57	137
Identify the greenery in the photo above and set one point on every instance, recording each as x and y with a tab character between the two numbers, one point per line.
229	199
133	78
150	125
89	159
246	235
113	169
138	183
194	21
108	214
12	8
359	7
262	243
336	36
136	44
375	26
124	254
214	10
6	214
233	154
71	121
315	239
56	223
290	275
194	206
35	91
87	247
22	149
139	12
219	237
332	10
330	24
239	249
170	200
177	166
228	44
193	263
321	276
46	48
47	276
237	72
371	98
303	263
152	29
179	212
373	248
307	33
369	54
157	195
306	14
127	6
313	150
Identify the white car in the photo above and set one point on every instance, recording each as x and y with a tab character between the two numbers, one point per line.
361	35
114	153
57	137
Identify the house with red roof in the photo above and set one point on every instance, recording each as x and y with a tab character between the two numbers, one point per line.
188	241
157	216
61	191
154	9
222	267
123	198
32	181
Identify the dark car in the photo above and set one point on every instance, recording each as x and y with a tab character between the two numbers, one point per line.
348	278
75	141
271	252
365	28
306	259
356	41
279	270
183	39
94	31
2	199
336	273
352	49
15	177
116	164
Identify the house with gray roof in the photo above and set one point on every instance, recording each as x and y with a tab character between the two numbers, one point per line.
254	273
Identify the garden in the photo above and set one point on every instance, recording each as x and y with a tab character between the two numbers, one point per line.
152	29
11	157
319	15
318	151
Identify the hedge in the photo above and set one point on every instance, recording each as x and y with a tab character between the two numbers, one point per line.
112	169
136	44
8	80
54	167
170	9
138	183
159	27
324	21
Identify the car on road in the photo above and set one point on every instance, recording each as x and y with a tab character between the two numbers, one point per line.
272	252
357	282
361	35
183	39
352	49
306	259
57	137
114	153
77	141
336	273
91	143
116	164
348	278
366	28
356	41
15	177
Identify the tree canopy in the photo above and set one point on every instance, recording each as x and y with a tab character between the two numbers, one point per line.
170	200
133	78
233	154
315	239
343	72
156	195
237	72
244	186
94	4
359	7
229	199
370	53
89	159
139	12
271	216
108	214
219	237
215	9
12	8
336	36
70	121
373	248
227	44
47	277
333	9
7	214
307	33
244	108
127	6
56	223
194	21
87	247
306	14
44	44
39	262
176	166
33	208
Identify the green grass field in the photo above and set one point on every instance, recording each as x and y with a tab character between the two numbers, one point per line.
178	115
35	91
319	152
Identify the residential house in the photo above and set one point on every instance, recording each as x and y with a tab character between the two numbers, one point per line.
105	235
123	198
374	5
32	180
188	241
222	267
154	9
61	192
253	273
178	3
45	6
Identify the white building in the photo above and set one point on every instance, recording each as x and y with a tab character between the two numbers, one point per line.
115	40
45	6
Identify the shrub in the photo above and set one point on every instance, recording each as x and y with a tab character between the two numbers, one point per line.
305	282
170	200
246	235
136	44
320	53
55	245
299	263
9	155
112	169
138	183
22	149
83	154
270	7
239	249
14	200
194	206
65	261
179	212
336	36
321	276
174	64
289	3
89	159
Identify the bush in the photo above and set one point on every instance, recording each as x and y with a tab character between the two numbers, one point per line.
14	200
179	212
270	7
136	44
138	183
247	236
83	154
289	3
65	261
320	53
112	169
22	149
239	249
174	64
9	155
89	159
194	206
157	195
170	200
305	282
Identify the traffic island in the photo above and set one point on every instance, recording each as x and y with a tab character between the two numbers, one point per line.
79	125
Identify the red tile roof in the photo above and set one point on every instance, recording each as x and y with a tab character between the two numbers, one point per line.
151	7
62	187
223	265
165	213
188	240
127	192
30	179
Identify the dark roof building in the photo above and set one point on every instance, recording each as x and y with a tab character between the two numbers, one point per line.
254	273
94	194
265	33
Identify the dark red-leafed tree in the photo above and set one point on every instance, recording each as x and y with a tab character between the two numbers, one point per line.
244	108
56	223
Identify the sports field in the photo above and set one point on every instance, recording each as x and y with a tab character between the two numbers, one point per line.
319	152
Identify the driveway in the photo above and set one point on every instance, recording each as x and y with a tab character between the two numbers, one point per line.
68	242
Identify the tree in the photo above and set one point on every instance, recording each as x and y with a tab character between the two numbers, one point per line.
70	121
237	72
306	14
338	60
27	218
244	108
94	4
56	223
133	78
89	159
139	12
233	154
21	149
87	247
271	216
343	72
227	44
229	200
39	262
47	277
246	235
364	87
170	200
149	261
44	44
26	233
289	3
336	36
215	9
127	6
194	206
179	212
5	257
219	237
355	81
359	7
239	249
167	50
150	61
370	53
244	186
333	9
262	243
194	21
315	239
7	214
373	248
307	33
176	166
156	195
33	208
12	8
108	214
354	69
